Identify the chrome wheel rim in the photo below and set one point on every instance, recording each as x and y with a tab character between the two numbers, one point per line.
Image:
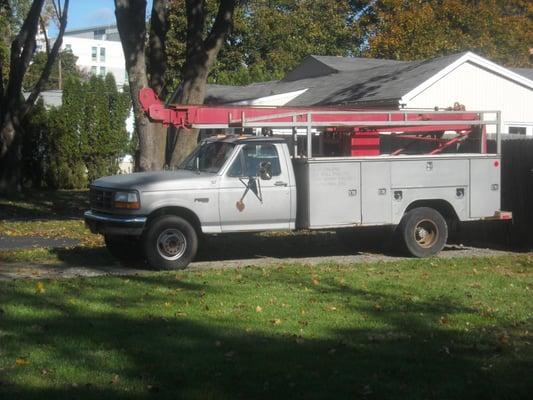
426	233
171	244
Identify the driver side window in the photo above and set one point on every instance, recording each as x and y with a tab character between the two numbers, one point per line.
251	156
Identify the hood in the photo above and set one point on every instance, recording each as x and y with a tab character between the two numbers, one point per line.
160	180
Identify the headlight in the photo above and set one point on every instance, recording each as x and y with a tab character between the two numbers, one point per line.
129	200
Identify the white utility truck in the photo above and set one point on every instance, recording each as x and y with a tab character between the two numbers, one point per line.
415	171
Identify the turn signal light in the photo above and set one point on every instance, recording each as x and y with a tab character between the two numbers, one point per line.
131	206
127	200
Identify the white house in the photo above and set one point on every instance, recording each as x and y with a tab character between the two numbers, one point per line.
465	78
99	51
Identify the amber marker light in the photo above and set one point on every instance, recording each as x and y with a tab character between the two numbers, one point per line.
127	200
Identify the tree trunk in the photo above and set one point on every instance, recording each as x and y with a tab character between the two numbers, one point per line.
155	145
201	56
183	141
12	109
151	136
10	162
130	16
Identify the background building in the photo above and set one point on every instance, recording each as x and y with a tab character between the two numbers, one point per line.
99	51
464	78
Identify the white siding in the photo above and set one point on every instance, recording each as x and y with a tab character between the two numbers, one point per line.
114	56
480	89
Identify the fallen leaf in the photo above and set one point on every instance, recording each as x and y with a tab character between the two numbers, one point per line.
258	309
367	389
153	388
229	354
276	321
444	320
21	361
115	379
504	339
315	281
39	287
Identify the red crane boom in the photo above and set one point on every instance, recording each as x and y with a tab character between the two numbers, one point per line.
414	124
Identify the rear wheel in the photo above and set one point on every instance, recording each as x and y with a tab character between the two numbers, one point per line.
170	243
424	232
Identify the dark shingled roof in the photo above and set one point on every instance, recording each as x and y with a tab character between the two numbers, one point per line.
355	81
525	72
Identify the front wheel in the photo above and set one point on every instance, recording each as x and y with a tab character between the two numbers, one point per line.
423	231
170	243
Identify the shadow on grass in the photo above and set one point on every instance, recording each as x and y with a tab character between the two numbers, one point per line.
85	256
248	246
234	247
401	352
45	205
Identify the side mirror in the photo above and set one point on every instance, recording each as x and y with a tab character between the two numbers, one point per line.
265	170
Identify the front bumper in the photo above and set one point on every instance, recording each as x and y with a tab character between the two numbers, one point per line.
114	224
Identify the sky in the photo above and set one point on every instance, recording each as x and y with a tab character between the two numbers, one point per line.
85	13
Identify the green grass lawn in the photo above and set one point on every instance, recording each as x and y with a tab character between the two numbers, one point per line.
55	214
418	329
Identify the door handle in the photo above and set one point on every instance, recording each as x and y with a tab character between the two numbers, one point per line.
280	183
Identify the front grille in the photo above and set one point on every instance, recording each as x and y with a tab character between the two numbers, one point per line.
101	199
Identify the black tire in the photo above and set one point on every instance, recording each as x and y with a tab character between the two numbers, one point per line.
124	248
170	243
423	231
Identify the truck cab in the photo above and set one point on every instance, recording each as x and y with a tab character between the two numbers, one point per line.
227	184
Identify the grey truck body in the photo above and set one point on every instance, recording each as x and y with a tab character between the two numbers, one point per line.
303	193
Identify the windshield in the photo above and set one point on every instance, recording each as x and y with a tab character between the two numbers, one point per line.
208	157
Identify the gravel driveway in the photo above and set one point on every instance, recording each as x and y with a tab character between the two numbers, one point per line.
235	255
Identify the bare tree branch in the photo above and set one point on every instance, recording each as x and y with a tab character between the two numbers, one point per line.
222	25
49	63
22	50
57	8
156	63
43	28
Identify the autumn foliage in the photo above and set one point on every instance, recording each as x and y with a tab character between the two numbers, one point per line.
408	30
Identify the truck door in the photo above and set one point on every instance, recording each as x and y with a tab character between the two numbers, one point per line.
247	201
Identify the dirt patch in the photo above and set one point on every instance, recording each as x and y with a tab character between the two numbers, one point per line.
11	271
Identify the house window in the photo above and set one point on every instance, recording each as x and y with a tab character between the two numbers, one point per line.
517	130
94	53
93	70
102	71
102	54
